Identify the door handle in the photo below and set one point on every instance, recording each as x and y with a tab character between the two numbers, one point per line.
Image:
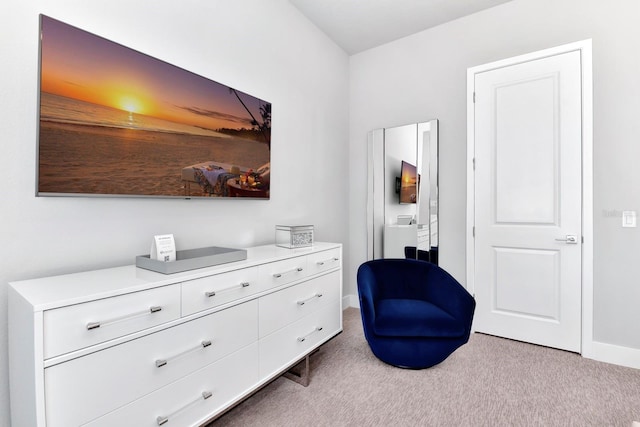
570	239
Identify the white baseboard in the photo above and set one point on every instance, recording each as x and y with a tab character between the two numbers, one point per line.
615	354
350	301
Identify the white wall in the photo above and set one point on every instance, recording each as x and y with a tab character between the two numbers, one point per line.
267	49
423	77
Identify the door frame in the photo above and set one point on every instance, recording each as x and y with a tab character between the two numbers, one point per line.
585	49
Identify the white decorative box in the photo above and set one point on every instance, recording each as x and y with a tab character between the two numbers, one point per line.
294	236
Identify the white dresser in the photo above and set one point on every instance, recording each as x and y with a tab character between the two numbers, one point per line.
130	347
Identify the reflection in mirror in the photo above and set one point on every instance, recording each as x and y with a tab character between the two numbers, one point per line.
402	205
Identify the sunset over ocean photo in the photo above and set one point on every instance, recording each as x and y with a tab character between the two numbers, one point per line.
114	121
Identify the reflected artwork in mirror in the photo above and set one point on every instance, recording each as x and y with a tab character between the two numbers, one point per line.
402	205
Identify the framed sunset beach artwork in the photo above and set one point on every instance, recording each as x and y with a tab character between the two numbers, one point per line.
116	122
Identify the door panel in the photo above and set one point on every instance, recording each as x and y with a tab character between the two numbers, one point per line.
527	283
528	199
530	138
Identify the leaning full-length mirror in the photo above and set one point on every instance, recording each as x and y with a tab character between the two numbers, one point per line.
402	204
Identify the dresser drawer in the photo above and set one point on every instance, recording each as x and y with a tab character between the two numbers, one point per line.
290	344
282	272
78	326
211	291
144	364
323	261
195	398
288	305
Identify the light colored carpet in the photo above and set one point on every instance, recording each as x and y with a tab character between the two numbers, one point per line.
488	382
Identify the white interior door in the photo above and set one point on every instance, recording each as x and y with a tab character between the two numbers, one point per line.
528	201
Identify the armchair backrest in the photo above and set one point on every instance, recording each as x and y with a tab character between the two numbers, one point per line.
413	279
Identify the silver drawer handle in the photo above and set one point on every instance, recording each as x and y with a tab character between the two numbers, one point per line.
293	270
302	339
165	419
150	310
214	293
328	260
304	301
161	362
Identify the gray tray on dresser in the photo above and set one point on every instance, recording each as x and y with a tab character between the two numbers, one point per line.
192	259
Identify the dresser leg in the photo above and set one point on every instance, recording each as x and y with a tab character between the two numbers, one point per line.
299	372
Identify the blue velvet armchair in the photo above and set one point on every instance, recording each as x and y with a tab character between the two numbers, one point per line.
414	313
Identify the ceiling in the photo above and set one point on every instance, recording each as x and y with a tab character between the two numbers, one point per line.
357	25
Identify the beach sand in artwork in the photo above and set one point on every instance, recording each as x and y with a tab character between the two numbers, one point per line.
101	160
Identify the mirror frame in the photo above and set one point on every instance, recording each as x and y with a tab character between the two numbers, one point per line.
427	206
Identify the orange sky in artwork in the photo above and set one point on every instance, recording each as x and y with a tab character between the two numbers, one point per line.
121	95
82	66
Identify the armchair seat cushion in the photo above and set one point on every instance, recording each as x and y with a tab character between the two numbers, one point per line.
415	318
